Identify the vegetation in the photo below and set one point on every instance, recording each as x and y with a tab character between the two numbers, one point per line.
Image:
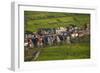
33	20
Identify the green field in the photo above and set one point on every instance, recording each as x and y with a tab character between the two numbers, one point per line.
35	20
67	51
77	50
73	51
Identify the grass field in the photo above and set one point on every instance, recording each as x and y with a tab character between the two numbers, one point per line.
76	50
66	51
73	51
35	20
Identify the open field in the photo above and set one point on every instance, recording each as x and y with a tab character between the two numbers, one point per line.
73	51
67	51
35	20
76	50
